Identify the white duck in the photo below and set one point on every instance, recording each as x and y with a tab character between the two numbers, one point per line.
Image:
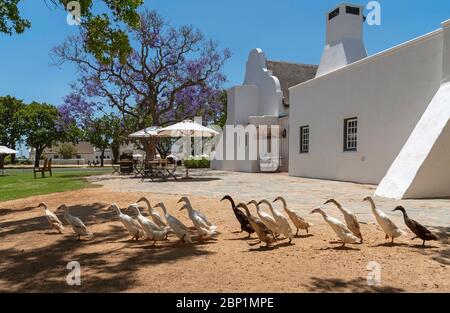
177	226
390	229
200	214
77	225
133	227
156	217
339	228
266	218
204	230
298	221
350	219
282	221
52	219
153	231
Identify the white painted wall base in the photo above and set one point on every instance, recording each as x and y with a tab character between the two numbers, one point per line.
422	168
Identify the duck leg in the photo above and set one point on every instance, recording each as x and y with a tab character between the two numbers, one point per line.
254	244
248	235
343	244
423	244
79	237
307	231
296	234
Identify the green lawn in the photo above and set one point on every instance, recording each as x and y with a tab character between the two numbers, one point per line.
18	184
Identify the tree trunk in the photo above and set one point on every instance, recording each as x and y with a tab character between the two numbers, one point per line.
150	147
37	157
13	156
2	161
102	156
115	151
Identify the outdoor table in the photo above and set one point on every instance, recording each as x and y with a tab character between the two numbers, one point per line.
116	169
126	167
156	169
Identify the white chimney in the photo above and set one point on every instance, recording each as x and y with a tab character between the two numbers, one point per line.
344	43
446	52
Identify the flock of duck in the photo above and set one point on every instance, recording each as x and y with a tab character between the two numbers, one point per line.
154	229
267	226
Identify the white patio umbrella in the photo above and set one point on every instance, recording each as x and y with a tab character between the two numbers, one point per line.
5	150
187	128
145	133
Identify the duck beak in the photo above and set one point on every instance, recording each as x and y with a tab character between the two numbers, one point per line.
180	200
276	199
181	209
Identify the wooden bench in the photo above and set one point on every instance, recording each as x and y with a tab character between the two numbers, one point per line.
46	168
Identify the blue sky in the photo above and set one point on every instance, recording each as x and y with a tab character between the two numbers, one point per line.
291	30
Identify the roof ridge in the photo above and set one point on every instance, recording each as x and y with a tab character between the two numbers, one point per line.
293	63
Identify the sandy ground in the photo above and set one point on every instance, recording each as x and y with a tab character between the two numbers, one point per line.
34	258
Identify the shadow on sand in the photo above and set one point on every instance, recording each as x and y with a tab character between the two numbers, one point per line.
111	269
339	285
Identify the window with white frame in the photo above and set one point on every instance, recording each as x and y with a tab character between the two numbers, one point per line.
304	139
351	134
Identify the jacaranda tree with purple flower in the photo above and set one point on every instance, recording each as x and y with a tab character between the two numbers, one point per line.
170	75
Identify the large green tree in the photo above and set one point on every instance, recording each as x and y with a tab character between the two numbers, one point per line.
11	125
40	127
103	133
100	23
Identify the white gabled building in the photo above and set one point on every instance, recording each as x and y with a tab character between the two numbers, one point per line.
380	119
263	99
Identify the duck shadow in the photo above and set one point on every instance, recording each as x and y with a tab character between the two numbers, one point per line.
343	248
241	238
304	236
285	244
419	246
390	244
262	249
52	233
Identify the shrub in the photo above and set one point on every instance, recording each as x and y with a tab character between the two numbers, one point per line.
197	163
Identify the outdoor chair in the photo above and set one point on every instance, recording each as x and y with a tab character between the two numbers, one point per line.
46	168
171	167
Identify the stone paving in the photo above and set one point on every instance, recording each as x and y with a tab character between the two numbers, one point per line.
302	194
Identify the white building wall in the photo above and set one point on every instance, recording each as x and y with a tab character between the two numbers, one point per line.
422	169
270	96
260	96
388	92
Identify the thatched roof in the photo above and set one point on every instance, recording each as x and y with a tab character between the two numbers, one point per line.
291	74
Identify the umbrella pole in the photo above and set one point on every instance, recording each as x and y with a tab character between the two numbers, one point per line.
187	172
